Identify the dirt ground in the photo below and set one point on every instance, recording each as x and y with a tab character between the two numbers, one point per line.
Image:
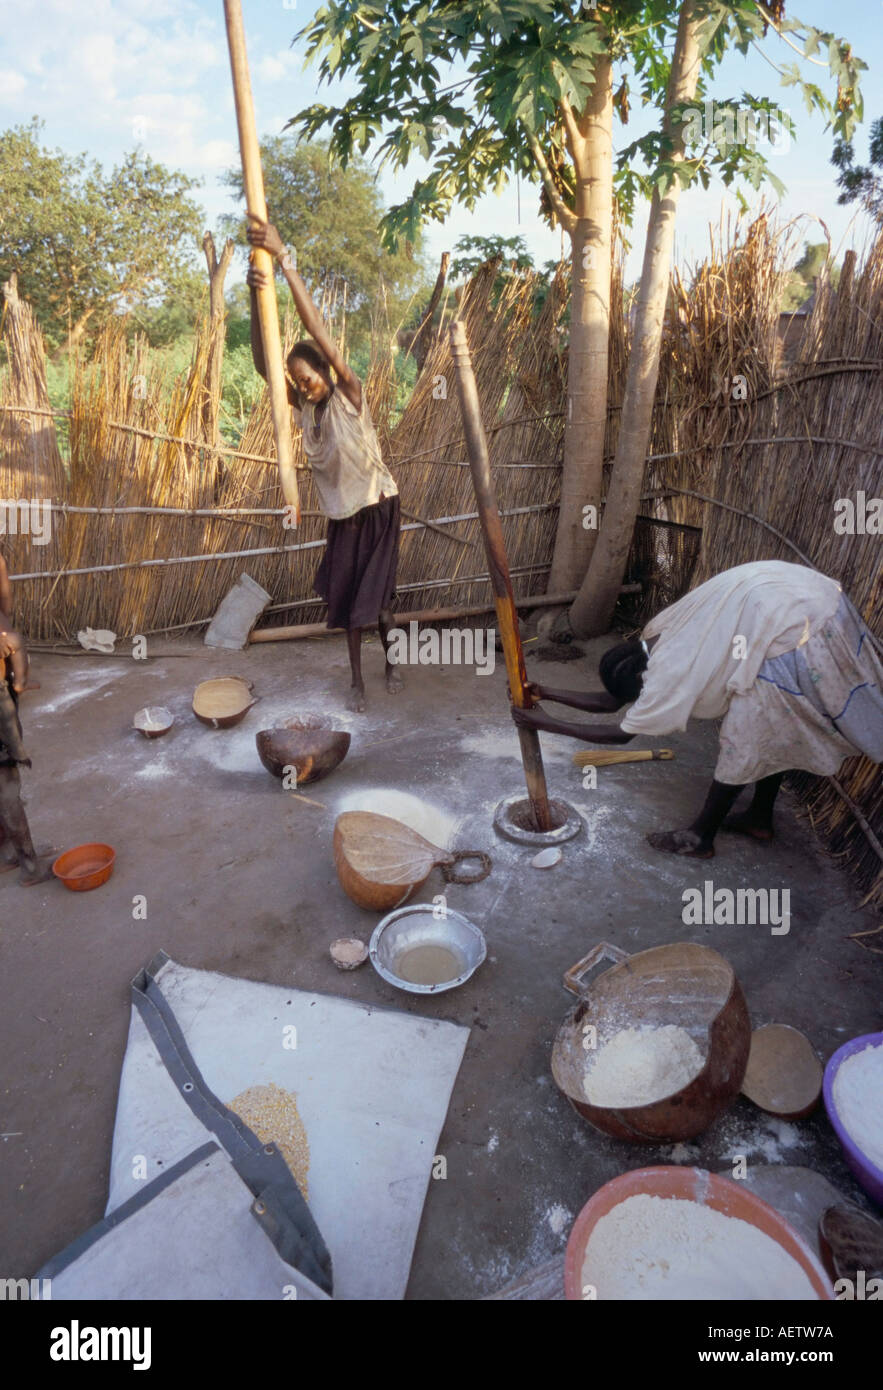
239	878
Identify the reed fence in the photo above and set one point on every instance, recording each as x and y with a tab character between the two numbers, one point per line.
155	516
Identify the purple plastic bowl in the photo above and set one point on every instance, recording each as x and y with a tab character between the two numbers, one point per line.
868	1174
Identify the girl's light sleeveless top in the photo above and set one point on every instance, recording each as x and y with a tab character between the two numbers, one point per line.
345	458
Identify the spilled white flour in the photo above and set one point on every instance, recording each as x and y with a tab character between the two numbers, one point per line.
160	767
432	822
490	743
771	1139
558	1217
858	1096
80	685
638	1066
664	1248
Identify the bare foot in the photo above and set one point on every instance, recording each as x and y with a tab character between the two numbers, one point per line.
394	682
681	842
40	872
355	700
9	860
742	824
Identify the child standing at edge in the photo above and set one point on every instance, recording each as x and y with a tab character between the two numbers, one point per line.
356	491
16	846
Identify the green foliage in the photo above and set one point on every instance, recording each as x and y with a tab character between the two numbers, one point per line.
801	279
404	370
241	387
330	215
474	86
177	316
58	388
471	252
87	244
238	302
406	378
861	182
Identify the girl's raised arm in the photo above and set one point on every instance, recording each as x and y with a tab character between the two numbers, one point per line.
265	235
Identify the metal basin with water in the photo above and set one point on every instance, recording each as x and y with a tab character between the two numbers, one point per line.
416	925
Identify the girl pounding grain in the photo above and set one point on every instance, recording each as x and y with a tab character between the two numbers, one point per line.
777	652
356	491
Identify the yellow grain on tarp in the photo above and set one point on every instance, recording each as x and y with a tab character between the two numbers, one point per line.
272	1114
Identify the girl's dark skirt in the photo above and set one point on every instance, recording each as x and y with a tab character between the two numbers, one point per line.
357	576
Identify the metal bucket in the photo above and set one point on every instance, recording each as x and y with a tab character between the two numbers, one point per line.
418	925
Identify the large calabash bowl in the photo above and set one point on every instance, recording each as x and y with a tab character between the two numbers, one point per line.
307	746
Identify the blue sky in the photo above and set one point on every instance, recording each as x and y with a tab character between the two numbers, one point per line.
107	74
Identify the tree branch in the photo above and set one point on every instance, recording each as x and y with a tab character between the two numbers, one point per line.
211	256
565	215
573	131
410	345
759	49
774	26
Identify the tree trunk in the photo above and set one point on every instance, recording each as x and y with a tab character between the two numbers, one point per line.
592	609
420	340
211	397
590	141
76	333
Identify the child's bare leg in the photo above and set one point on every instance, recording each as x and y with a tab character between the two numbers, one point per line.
8	852
356	700
757	819
14	823
698	840
394	681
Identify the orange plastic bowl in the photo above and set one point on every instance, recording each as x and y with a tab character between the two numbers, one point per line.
695	1185
87	866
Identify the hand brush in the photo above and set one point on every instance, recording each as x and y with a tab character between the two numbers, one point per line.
604	757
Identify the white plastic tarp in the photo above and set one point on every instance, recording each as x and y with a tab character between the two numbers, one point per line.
372	1088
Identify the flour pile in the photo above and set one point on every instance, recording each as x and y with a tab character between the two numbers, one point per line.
664	1248
858	1096
638	1066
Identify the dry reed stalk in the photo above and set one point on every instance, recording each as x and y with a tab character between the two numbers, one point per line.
31	467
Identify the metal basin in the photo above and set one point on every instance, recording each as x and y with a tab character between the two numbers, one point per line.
414	926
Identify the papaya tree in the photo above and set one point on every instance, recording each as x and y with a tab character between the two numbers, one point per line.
489	90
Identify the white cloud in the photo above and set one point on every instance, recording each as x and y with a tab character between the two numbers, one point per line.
98	59
218	154
94	57
11	84
271	70
276	124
